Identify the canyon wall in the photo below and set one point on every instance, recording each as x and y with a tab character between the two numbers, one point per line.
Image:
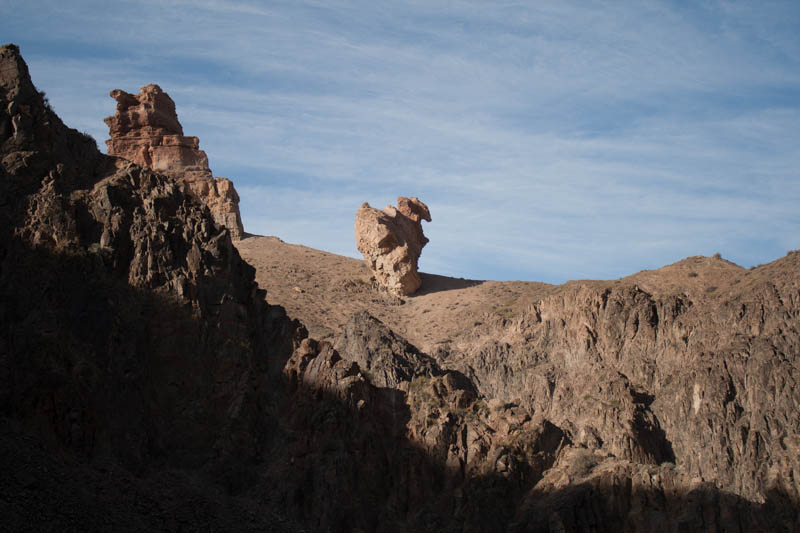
145	382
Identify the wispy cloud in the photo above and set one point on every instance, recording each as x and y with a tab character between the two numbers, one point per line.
551	140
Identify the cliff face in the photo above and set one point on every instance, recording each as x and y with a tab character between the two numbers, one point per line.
597	409
132	332
145	130
705	380
146	384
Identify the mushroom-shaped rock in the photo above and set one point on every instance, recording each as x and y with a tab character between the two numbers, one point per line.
145	130
391	241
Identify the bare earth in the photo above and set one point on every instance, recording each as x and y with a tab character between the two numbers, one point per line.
323	290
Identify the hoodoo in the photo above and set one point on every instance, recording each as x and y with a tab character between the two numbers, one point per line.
145	130
392	241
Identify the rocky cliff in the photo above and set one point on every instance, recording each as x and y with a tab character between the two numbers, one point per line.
602	408
133	340
703	379
147	384
145	130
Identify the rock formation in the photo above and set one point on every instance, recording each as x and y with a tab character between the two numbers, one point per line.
133	336
145	130
391	242
146	384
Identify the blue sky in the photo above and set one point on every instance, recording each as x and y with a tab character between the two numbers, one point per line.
551	140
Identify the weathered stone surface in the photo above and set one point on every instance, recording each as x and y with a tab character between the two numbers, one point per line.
145	130
391	242
133	336
707	380
138	361
386	358
578	446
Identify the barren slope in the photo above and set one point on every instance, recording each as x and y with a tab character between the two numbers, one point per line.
323	290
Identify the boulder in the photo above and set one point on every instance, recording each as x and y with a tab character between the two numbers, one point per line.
391	241
145	130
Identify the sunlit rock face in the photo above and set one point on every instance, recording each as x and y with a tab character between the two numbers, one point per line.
391	241
145	130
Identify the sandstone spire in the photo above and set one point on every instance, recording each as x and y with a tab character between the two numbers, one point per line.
391	242
145	130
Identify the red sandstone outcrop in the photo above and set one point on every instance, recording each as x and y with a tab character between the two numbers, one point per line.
145	130
392	241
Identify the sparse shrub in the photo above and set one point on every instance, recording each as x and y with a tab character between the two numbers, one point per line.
355	285
613	404
504	311
88	138
711	289
45	101
421	392
418	382
717	256
693	274
582	462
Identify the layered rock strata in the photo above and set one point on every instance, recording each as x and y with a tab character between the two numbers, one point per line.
391	241
145	130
